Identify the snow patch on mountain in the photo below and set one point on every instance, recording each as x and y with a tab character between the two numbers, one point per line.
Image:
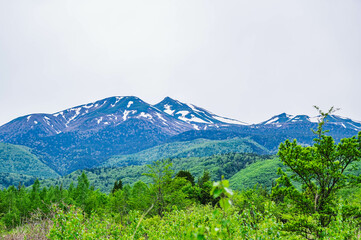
193	108
197	120
145	115
125	115
90	105
117	99
195	127
168	110
189	120
315	119
272	120
160	117
130	104
228	120
77	112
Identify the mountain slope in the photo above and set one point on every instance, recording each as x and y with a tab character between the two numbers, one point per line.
198	117
217	165
263	172
19	159
194	148
87	135
91	117
18	164
284	119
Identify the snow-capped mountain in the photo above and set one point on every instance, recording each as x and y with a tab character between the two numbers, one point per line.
170	115
87	135
198	117
284	119
93	116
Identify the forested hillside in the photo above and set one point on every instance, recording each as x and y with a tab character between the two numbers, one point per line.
185	149
18	164
217	165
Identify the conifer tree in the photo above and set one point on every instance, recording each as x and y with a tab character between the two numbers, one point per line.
118	185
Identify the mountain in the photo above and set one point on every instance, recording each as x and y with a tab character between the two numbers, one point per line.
217	165
198	117
277	129
262	172
284	126
18	164
85	136
186	149
91	117
88	135
284	119
19	159
170	115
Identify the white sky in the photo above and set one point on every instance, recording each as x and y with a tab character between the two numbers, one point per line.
247	60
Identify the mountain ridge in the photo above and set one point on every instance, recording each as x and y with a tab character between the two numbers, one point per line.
87	135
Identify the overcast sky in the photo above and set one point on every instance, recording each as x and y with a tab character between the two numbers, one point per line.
247	60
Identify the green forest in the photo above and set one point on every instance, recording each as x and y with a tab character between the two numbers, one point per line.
307	192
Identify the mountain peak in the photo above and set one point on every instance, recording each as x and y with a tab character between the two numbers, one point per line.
167	98
198	117
169	101
281	118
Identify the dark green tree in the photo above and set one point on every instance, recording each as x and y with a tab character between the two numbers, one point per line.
35	195
82	189
205	178
118	185
187	175
205	185
321	171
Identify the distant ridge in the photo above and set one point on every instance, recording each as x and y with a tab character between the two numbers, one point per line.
87	135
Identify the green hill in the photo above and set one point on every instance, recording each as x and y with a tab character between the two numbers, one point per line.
17	163
217	165
186	149
262	172
8	179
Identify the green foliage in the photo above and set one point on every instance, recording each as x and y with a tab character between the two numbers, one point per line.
324	205
8	179
18	164
160	174
82	189
221	189
187	149
320	169
73	224
217	165
118	185
140	198
129	213
187	175
262	172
